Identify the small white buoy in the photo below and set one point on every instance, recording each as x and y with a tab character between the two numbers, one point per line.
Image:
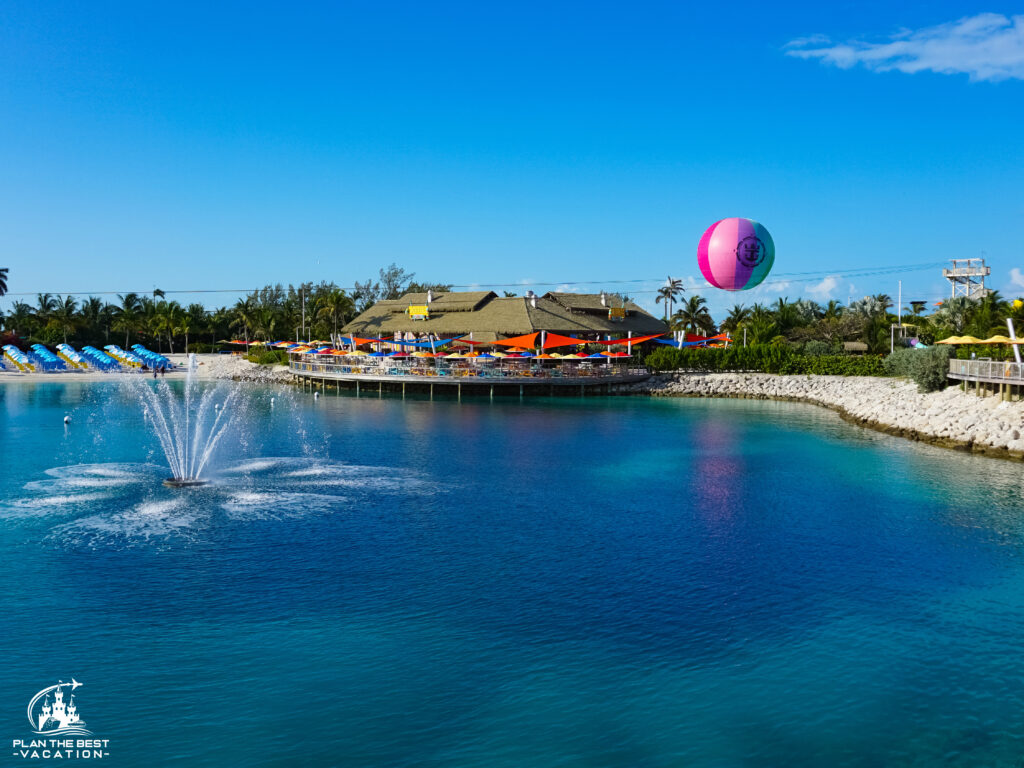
67	419
271	402
316	395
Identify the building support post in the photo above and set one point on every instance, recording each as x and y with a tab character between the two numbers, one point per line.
459	388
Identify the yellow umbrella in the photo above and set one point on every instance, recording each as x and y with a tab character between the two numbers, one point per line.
1002	340
951	340
970	340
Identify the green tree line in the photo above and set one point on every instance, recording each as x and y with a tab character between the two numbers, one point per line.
306	311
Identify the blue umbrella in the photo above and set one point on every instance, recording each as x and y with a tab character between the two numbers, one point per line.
377	354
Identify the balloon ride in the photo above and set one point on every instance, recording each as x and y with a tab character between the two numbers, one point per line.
736	254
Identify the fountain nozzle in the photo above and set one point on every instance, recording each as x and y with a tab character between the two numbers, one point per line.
173	482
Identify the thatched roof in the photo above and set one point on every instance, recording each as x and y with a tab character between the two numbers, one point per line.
488	316
463	301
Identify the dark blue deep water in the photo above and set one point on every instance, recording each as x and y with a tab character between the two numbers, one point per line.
565	582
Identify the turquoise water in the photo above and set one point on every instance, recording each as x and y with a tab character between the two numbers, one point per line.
600	582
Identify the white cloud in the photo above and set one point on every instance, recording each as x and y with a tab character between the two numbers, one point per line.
824	289
1016	278
988	46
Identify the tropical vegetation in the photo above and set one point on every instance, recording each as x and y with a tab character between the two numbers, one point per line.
303	311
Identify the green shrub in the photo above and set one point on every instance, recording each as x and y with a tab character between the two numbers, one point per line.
269	357
928	368
764	358
817	348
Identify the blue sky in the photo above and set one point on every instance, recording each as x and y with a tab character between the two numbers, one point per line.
230	145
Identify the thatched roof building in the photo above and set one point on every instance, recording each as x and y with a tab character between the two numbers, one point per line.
488	316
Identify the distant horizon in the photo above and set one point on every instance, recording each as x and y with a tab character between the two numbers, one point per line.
643	297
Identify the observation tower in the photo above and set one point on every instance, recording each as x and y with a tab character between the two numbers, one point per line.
967	278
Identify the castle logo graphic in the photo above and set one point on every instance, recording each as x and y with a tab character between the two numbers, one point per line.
58	728
61	718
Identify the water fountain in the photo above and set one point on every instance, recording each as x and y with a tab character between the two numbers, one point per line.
187	430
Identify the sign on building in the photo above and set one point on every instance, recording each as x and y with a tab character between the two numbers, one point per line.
418	312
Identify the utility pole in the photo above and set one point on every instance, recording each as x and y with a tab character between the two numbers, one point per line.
899	303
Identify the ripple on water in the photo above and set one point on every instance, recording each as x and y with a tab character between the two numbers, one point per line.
163	520
277	505
45	505
111	510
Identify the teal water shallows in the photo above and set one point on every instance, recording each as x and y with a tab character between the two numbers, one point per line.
600	582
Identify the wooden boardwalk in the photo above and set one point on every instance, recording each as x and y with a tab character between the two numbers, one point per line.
380	379
989	377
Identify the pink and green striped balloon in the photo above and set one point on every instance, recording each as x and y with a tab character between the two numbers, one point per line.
736	254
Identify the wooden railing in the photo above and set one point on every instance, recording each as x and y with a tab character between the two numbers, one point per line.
488	372
996	370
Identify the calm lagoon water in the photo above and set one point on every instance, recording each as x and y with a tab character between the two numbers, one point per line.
600	582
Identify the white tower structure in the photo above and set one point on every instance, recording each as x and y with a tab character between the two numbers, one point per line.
967	278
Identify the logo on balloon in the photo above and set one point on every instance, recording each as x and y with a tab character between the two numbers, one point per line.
750	251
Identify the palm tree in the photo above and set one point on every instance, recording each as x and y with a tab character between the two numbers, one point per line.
808	310
19	319
334	305
762	328
244	314
833	310
195	318
3	280
668	294
127	315
92	316
693	316
869	306
45	304
955	314
787	315
217	320
169	317
735	319
265	321
64	316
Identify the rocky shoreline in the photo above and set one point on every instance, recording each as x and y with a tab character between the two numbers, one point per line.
950	418
237	368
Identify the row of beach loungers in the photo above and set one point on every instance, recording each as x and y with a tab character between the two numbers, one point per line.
38	358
